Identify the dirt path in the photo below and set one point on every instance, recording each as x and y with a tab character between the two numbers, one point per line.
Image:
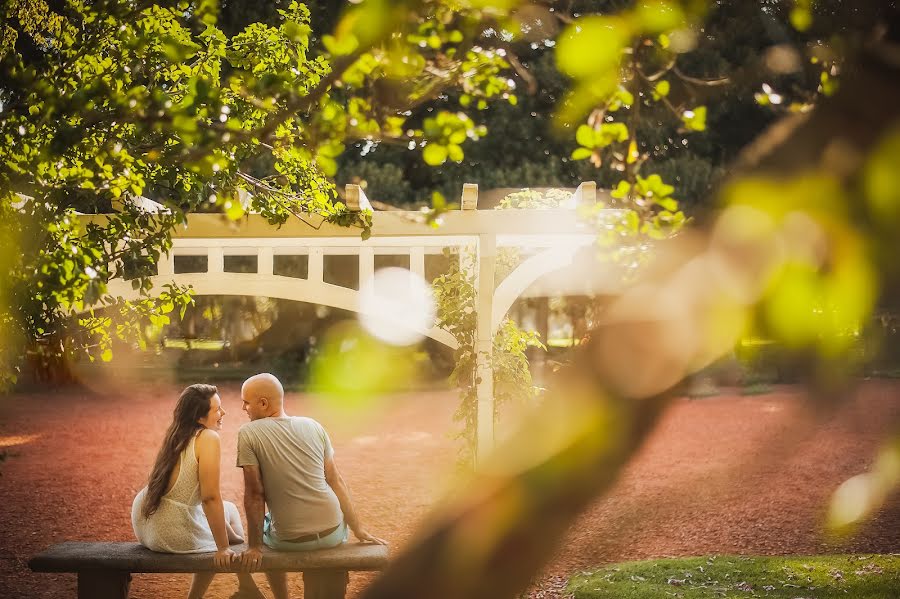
720	475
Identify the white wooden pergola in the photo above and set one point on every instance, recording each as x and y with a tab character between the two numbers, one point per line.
552	236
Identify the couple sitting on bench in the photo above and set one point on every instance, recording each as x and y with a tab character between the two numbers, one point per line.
288	464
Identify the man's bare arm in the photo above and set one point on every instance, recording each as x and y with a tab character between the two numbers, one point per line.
336	482
255	506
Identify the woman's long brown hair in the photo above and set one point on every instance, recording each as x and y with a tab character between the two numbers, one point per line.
193	404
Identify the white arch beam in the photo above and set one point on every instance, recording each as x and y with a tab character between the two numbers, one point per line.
275	286
529	271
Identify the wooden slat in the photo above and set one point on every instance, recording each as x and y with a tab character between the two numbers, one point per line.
77	556
388	224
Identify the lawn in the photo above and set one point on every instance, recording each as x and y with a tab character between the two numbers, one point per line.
731	577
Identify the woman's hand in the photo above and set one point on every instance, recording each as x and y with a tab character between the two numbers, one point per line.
223	559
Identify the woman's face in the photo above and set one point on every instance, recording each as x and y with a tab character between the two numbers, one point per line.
213	419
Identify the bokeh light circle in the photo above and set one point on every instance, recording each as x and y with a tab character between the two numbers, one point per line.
396	306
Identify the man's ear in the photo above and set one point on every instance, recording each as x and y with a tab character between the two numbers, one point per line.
264	403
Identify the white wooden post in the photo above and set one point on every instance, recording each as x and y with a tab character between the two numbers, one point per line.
469	200
417	261
485	259
585	195
215	260
315	268
166	264
366	264
265	261
356	199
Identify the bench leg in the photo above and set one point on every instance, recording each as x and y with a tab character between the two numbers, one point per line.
327	584
103	584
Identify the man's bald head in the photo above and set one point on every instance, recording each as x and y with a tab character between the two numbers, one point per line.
263	396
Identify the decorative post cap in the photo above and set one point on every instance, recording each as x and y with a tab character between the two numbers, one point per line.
469	196
355	198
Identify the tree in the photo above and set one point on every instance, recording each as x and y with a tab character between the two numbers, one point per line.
190	111
106	102
730	53
826	173
802	251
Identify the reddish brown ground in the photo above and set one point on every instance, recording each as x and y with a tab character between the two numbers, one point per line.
720	475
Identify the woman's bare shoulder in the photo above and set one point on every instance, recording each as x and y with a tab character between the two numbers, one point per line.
207	438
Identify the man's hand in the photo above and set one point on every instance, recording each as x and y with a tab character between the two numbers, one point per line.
366	537
223	559
251	559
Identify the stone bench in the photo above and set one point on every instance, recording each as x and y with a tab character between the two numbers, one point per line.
104	569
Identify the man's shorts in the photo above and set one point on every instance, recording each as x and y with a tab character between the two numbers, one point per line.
333	539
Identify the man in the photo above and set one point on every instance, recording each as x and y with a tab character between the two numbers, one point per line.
288	464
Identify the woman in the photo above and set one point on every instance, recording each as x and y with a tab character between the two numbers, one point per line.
181	509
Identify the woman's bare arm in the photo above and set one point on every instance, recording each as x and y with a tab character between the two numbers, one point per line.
208	449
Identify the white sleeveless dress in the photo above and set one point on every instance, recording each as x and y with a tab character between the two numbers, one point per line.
179	524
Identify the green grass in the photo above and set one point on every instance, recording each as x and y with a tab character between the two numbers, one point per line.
890	373
756	389
730	577
201	344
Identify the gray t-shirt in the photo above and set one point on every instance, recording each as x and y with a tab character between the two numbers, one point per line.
291	454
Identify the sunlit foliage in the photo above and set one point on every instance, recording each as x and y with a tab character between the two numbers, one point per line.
104	103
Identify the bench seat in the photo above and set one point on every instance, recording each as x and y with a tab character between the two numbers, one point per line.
104	568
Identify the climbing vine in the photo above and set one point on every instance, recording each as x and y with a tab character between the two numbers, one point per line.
456	310
625	236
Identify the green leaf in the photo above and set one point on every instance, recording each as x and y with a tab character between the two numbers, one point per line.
341	45
107	355
623	97
801	18
632	221
233	209
592	46
208	10
438	201
434	154
633	154
584	135
829	84
661	90
332	149
669	204
328	165
621	190
653	187
177	51
695	120
185	125
882	179
656	16
455	153
610	133
581	153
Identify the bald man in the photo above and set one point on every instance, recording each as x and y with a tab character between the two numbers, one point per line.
289	466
